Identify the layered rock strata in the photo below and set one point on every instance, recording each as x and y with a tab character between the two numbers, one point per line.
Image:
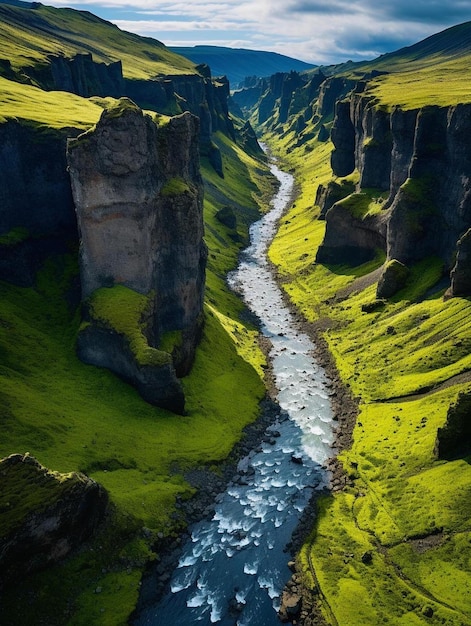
138	194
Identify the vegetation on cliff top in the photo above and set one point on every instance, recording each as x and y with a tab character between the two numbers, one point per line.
49	109
124	311
431	72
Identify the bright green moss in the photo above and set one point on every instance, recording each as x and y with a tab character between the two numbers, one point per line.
443	83
26	490
405	349
364	204
171	340
48	109
72	416
175	187
116	108
123	309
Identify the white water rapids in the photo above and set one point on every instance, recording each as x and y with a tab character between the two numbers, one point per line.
233	569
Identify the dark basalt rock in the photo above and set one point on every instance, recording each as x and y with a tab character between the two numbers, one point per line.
423	158
327	196
393	278
159	385
461	272
343	138
35	199
226	216
249	140
349	239
138	194
454	438
44	516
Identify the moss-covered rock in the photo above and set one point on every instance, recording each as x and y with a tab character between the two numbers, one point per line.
138	194
392	279
44	514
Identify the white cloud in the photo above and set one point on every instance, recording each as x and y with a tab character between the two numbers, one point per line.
312	30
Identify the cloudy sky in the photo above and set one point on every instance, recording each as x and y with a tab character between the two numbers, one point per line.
316	31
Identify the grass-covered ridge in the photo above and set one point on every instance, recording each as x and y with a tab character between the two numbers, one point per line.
387	549
123	310
431	72
50	109
28	36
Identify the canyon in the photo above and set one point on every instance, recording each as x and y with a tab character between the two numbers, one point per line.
130	366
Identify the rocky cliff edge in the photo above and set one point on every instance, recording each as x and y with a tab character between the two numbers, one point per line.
44	514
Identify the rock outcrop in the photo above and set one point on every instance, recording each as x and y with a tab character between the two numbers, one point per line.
44	515
37	215
454	438
138	195
422	160
461	272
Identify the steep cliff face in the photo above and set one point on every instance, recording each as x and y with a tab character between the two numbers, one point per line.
36	207
198	93
422	159
138	196
44	515
81	75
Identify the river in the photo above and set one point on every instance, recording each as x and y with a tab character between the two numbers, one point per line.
234	567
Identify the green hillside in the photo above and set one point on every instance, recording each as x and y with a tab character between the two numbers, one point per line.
392	546
71	416
29	35
431	72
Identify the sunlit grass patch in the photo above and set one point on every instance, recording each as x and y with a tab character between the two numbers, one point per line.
30	35
49	109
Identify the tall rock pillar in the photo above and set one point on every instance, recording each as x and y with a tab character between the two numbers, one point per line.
138	196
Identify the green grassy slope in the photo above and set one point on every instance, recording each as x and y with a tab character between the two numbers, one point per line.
28	36
406	362
432	71
77	417
50	109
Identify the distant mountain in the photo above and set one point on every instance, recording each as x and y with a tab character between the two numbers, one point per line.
237	63
454	43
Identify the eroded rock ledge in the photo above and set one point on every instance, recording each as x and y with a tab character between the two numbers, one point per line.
44	514
138	195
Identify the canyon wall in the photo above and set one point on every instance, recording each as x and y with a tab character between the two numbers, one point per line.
138	194
197	93
37	216
420	160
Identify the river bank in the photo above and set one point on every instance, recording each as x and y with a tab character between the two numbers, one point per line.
299	382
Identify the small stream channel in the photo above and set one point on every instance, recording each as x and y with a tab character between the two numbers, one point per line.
234	567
